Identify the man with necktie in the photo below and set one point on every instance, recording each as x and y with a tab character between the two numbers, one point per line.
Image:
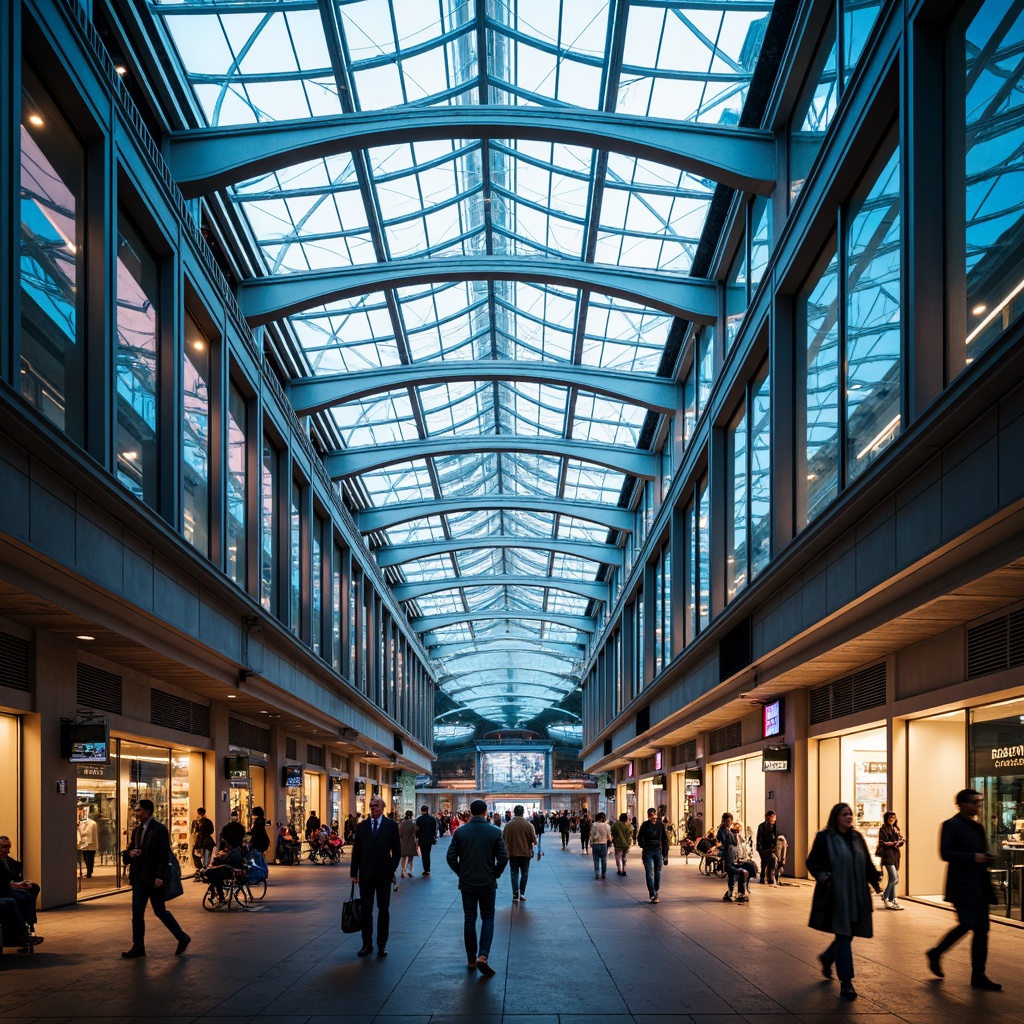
376	852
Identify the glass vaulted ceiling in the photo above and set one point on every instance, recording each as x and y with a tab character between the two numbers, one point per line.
510	649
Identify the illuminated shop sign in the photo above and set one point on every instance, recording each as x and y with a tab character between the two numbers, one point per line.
772	719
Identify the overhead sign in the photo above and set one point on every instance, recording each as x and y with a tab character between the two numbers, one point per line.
772	719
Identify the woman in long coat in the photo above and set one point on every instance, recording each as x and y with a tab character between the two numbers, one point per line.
407	837
843	870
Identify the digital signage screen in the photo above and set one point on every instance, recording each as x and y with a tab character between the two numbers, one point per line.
773	719
85	742
512	770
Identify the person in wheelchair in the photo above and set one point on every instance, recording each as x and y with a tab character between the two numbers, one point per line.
226	861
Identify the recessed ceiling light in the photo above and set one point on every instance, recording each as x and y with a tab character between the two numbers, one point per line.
84	636
121	69
979	309
232	696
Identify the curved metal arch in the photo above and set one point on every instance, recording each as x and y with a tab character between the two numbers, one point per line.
265	299
592	591
524	688
397	554
371	520
631	461
426	623
310	395
203	160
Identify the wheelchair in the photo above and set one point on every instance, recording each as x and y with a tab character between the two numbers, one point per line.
235	893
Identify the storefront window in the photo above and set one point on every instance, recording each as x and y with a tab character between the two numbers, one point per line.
854	769
196	437
98	828
10	805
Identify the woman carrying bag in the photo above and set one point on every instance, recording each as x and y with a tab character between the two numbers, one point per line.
843	870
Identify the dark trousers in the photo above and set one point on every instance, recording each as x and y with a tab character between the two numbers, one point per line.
769	867
141	895
425	854
89	858
840	953
484	903
26	901
519	871
565	840
973	917
382	891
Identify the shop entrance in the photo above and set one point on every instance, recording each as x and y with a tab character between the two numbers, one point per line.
854	769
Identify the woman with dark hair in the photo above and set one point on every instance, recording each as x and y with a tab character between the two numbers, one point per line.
890	843
842	869
260	839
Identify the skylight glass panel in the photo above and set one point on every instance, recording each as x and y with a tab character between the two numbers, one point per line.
425	570
571	567
442	603
563	602
586	482
415	531
527	560
523	523
382	420
405	482
471	525
605	421
480	561
623	335
571	528
537	408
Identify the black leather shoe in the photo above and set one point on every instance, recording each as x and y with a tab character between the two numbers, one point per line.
847	991
131	954
826	966
182	944
933	962
382	951
365	951
983	983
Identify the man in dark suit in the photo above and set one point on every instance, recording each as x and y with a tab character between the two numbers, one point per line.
19	898
426	836
964	846
148	858
376	852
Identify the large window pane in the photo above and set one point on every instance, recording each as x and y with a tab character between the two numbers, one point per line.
736	521
638	647
760	239
52	374
195	438
859	18
237	477
316	606
336	609
994	169
268	525
705	367
873	321
136	363
703	556
820	325
736	295
760	474
690	619
813	113
295	559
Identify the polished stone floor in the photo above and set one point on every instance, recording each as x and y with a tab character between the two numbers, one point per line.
578	950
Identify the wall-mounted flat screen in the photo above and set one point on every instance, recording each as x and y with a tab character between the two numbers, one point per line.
507	771
85	742
291	776
236	769
773	718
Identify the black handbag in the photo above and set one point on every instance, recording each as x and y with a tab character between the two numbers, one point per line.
352	913
172	883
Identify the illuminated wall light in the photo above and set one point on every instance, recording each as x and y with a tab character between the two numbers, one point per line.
979	309
121	69
130	456
36	120
84	636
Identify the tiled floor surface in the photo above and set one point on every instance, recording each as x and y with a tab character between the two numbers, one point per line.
578	951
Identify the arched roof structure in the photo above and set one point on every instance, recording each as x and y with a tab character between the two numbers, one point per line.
473	227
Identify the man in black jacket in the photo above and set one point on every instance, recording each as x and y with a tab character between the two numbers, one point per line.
426	836
19	898
964	846
652	838
148	858
376	852
478	856
767	843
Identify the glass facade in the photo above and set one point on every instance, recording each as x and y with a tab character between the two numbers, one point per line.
237	479
196	437
52	251
295	558
136	363
268	526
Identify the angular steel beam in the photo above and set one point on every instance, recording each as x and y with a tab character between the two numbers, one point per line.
449	650
310	395
428	622
411	591
203	160
396	554
614	518
630	461
265	299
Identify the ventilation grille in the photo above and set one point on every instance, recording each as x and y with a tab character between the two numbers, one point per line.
173	712
996	645
98	690
291	748
14	662
726	738
686	752
841	697
247	736
314	755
